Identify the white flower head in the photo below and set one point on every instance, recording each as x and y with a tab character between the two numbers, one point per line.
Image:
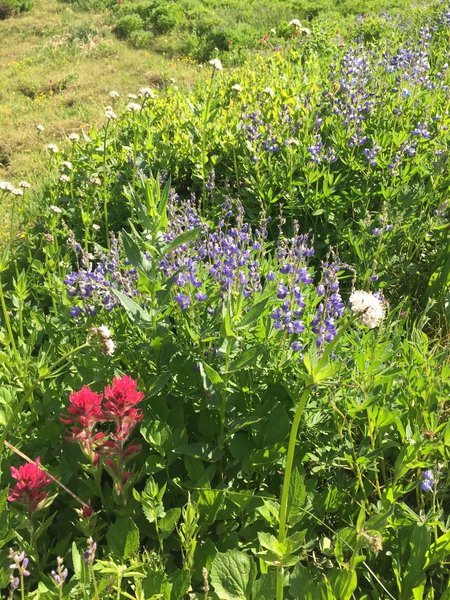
269	91
103	336
147	92
109	113
16	191
132	96
216	63
52	148
96	227
236	87
114	94
65	178
95	181
369	307
68	165
56	209
24	184
5	186
74	137
40	127
133	107
295	23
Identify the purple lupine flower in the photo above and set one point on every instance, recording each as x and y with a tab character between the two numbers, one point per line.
183	300
428	480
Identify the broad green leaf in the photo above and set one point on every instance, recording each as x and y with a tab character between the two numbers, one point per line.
123	538
232	575
413	575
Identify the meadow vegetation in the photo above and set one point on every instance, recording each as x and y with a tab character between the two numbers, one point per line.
225	368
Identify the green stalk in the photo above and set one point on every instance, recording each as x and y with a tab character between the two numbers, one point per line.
287	481
94	581
8	323
22	588
105	200
119	584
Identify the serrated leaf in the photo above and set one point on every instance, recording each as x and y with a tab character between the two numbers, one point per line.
232	575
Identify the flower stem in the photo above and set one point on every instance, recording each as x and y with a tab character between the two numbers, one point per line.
22	587
8	323
94	582
287	481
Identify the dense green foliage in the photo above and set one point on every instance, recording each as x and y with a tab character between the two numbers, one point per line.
267	257
9	8
201	28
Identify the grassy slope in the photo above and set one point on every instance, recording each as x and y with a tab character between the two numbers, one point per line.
58	66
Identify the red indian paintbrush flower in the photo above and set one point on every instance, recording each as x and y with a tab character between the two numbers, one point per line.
121	398
86	408
28	489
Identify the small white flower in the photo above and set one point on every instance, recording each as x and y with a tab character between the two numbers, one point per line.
56	209
65	178
133	107
52	148
236	87
95	181
132	96
147	92
5	185
103	336
114	94
295	23
273	31
16	191
96	227
269	91
68	165
369	308
305	30
109	113
291	142
74	137
40	127
24	184
215	62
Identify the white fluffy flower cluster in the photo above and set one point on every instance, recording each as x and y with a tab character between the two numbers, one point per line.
103	336
215	62
369	308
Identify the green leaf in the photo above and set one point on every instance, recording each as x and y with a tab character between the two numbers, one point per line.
181	582
245	359
296	497
168	523
343	583
253	314
138	315
213	375
123	538
183	238
265	587
232	575
413	575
